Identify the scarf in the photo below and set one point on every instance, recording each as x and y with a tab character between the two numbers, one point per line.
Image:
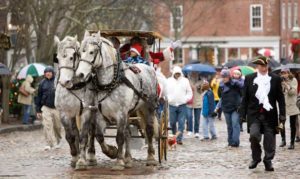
264	85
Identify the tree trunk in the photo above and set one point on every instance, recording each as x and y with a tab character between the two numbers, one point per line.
5	98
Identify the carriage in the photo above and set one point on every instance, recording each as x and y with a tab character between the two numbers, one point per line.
152	39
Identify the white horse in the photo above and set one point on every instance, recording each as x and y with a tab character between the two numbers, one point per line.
72	102
120	90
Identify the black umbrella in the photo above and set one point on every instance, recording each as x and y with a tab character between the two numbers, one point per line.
233	63
272	63
4	70
291	66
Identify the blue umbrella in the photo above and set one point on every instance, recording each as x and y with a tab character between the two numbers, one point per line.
199	68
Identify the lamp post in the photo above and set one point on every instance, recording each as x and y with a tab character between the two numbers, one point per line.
295	41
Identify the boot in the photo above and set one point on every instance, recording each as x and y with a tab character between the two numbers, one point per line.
253	164
283	143
291	147
269	166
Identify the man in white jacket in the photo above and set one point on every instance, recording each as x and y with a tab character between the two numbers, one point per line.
179	92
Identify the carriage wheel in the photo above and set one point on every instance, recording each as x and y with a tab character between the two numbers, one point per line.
163	135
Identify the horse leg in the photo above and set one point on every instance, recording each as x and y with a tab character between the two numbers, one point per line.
108	150
91	158
85	126
128	157
70	135
120	141
150	117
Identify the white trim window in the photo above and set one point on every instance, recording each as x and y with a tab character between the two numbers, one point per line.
290	15
283	16
296	14
256	17
178	16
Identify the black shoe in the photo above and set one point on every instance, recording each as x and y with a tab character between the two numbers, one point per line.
268	166
179	142
291	147
297	139
253	164
283	143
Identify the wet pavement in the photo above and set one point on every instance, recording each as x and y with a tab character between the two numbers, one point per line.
22	155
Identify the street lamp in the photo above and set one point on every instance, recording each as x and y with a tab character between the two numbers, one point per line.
295	41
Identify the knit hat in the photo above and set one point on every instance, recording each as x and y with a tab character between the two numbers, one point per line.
225	73
137	48
285	70
261	60
49	69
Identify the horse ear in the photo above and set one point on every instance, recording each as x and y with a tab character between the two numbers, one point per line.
75	38
99	33
56	40
86	34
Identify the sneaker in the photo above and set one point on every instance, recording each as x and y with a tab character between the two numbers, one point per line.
297	139
205	139
214	138
47	147
197	135
58	145
189	134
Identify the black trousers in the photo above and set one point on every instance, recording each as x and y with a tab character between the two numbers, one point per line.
257	127
293	120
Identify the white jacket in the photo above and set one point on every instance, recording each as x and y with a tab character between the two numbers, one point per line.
178	91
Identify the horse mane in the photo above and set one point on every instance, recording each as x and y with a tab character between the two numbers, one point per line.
67	42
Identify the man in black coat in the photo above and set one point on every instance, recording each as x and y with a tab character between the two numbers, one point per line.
261	92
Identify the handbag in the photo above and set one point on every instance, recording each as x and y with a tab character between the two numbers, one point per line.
23	91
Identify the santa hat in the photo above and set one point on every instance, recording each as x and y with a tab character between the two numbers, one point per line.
137	48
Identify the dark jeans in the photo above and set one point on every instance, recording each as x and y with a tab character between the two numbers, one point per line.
177	114
26	113
258	126
293	120
233	128
219	111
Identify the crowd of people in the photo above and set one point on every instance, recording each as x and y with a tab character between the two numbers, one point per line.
262	99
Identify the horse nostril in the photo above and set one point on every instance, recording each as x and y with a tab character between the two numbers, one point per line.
68	81
81	75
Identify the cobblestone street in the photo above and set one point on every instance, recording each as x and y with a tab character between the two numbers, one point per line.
22	156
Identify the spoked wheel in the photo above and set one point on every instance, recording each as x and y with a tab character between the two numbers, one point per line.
163	134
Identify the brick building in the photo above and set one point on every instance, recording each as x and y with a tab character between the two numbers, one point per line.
215	31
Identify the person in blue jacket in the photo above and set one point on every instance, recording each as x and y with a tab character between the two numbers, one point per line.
208	108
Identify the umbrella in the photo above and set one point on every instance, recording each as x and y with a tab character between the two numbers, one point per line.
34	69
199	68
246	70
272	63
266	52
4	70
233	63
291	66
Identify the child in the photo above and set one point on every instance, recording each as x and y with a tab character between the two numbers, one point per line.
207	111
135	55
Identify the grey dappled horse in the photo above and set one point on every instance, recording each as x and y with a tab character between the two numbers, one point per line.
72	101
120	90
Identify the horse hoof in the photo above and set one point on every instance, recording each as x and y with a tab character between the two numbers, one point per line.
91	162
118	168
81	165
152	163
128	164
112	152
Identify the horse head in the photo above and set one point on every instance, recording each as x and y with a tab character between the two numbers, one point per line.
67	55
95	52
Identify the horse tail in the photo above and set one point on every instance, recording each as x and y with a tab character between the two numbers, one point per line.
78	122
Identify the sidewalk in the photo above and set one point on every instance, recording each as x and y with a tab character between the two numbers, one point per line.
14	126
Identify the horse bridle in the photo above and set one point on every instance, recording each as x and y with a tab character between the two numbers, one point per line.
75	55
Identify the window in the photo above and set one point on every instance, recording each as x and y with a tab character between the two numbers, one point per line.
289	15
177	19
295	13
256	17
283	16
283	51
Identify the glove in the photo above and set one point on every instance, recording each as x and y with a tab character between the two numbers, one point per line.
176	44
282	119
214	114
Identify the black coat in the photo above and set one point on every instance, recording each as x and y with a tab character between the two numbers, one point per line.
46	94
250	107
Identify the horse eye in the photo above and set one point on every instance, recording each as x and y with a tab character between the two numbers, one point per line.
91	52
71	58
64	56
